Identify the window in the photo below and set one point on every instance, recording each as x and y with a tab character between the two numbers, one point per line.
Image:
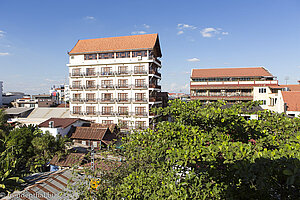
140	124
140	82
123	70
90	84
123	97
90	56
139	53
76	72
95	144
106	71
106	55
139	70
107	121
32	105
72	57
90	110
107	96
123	83
262	90
123	110
123	54
124	124
76	96
140	96
76	109
140	110
107	83
90	72
83	142
90	96
107	110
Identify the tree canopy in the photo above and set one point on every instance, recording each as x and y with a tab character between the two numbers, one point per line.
208	152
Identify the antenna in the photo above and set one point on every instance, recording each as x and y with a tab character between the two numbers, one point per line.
286	78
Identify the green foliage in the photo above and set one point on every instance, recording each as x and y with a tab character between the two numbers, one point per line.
209	152
24	150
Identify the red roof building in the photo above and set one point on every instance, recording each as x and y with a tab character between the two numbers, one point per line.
230	84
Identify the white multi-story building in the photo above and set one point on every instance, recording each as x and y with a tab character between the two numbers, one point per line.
115	80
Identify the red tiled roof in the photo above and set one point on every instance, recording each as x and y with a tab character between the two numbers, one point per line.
292	99
295	87
60	122
110	126
68	161
134	42
94	133
230	72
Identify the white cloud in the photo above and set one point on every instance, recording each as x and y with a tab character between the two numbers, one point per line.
138	32
186	26
146	26
225	33
180	32
4	54
90	18
193	60
209	32
2	33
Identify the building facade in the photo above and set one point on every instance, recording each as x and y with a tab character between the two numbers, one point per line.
115	80
230	84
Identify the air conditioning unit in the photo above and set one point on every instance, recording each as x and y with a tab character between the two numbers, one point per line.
139	57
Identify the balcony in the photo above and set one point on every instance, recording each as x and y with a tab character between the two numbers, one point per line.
90	74
140	72
140	86
75	74
91	87
158	61
90	100
76	87
139	100
141	114
123	113
123	72
154	86
107	100
110	86
91	113
74	112
155	73
77	100
107	113
123	86
226	94
123	100
106	73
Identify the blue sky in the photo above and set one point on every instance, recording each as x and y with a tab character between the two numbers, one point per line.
35	36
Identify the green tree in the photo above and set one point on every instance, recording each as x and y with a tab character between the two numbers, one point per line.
207	152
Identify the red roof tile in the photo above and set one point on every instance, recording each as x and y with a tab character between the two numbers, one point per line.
110	126
134	42
295	87
68	161
94	133
292	99
230	72
60	122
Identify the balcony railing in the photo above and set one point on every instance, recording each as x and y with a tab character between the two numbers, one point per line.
123	86
109	86
108	113
107	73
123	100
140	72
144	114
90	74
155	73
154	86
139	100
90	100
91	87
91	113
74	112
122	72
140	86
76	74
79	100
107	100
123	113
216	94
76	87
